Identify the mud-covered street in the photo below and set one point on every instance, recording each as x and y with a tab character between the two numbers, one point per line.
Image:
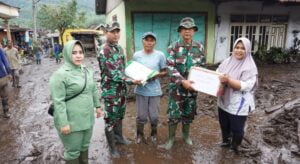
272	130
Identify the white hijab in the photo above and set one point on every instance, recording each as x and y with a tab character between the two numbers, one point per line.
238	69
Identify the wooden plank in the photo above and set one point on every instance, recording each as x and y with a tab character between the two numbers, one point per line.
274	108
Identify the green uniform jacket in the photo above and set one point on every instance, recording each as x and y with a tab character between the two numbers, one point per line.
66	82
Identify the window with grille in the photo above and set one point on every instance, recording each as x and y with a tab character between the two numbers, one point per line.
262	30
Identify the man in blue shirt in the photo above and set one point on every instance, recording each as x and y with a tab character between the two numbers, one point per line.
148	96
4	76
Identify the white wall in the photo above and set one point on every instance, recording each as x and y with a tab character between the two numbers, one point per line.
112	4
228	8
8	12
294	24
119	11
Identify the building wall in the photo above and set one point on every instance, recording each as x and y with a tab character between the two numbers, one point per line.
294	24
112	4
205	6
3	35
8	12
228	8
119	13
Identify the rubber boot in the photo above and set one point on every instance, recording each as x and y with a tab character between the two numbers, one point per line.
110	136
120	139
226	139
154	133
84	157
236	141
13	81
18	82
6	114
5	108
73	161
172	131
185	134
140	133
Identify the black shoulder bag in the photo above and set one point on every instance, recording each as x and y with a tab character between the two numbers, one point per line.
51	107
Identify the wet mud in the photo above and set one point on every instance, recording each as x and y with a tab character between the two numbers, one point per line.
271	133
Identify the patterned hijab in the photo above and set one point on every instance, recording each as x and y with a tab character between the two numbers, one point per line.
238	69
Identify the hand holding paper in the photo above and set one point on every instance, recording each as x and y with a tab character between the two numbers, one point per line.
224	78
137	82
205	80
187	84
137	71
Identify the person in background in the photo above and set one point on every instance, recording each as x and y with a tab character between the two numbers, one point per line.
14	59
37	51
239	82
56	53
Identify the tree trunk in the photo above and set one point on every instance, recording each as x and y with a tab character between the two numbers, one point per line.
61	32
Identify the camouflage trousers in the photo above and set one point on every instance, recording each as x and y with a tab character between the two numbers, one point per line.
114	111
181	108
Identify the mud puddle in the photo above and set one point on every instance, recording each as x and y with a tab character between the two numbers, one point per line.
30	137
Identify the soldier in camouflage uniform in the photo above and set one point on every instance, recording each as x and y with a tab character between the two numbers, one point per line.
113	84
182	55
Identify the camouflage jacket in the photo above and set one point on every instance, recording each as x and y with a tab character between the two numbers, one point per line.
112	64
180	59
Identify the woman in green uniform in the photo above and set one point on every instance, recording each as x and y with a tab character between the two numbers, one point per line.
74	119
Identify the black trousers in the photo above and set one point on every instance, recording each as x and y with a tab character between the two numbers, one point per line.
232	126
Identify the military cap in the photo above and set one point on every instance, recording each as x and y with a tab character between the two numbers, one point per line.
187	22
112	26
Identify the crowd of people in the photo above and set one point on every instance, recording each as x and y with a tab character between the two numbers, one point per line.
77	100
12	58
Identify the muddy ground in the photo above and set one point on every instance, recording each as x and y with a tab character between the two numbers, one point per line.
30	137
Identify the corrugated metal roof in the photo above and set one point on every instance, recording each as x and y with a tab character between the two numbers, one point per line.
1	3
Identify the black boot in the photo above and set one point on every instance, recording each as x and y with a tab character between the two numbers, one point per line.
5	108
13	82
84	157
18	82
154	133
120	139
226	139
236	141
110	136
140	133
6	114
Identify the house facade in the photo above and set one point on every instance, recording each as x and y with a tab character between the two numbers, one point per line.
265	23
268	23
162	17
8	12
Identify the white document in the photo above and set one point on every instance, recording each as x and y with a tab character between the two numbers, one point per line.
205	80
137	71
